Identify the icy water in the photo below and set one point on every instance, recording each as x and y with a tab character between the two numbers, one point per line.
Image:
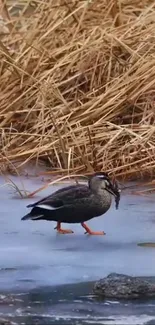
47	278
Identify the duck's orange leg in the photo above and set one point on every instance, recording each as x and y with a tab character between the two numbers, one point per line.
63	231
90	232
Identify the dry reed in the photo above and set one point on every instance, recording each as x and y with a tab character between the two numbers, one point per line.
77	85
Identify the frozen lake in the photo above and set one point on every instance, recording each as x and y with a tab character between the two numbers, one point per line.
34	258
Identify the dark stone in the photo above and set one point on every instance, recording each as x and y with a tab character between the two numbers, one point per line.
120	286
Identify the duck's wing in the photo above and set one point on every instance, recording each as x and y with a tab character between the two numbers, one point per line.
62	197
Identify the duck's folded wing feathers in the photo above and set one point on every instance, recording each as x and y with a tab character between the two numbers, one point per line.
62	197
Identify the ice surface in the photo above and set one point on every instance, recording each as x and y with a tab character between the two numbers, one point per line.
37	265
32	253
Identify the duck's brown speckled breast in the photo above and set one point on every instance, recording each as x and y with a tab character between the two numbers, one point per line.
106	199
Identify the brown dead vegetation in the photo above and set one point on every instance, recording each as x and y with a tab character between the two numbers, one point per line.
77	85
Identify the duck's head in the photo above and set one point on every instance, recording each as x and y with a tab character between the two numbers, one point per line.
103	181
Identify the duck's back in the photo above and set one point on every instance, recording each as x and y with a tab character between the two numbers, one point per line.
73	204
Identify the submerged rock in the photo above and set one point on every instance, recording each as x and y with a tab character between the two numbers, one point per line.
124	287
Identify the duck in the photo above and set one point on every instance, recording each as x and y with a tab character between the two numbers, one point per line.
77	203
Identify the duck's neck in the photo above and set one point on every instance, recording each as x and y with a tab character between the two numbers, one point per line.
102	192
94	185
97	189
105	197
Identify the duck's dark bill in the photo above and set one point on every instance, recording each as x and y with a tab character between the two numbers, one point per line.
115	191
117	199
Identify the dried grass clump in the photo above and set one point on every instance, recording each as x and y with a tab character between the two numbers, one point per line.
77	85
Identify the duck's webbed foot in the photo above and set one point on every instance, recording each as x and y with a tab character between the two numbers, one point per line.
63	231
90	232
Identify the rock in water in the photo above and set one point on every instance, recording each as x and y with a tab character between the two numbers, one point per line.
120	286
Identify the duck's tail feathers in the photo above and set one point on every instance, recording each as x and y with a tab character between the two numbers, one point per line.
29	216
31	205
